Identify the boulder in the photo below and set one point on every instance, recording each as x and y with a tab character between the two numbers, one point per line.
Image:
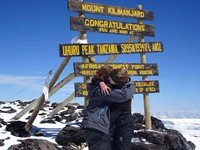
17	129
34	144
168	140
70	134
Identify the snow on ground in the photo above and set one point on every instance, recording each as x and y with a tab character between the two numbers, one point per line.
190	128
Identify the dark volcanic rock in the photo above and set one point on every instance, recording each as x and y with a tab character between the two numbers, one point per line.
72	146
48	120
34	144
42	114
80	107
54	105
139	122
17	129
71	117
159	138
2	122
176	141
70	110
70	134
1	142
169	140
142	146
21	103
2	102
11	110
57	118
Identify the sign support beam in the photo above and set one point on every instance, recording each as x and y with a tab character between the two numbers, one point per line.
42	99
145	95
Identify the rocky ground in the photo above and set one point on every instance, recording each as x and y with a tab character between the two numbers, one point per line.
69	136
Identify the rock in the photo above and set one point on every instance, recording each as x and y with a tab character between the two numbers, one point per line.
10	111
157	124
139	122
142	146
1	142
57	118
70	134
48	120
21	103
80	107
38	134
42	114
71	117
17	129
80	114
2	102
169	140
72	146
176	141
70	110
34	144
2	122
54	105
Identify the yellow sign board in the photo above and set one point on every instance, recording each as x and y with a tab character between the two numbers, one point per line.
134	69
109	48
109	26
141	87
85	7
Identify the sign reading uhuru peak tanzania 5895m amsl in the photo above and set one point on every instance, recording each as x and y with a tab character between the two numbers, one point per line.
109	48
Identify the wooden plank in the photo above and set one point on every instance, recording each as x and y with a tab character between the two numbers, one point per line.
136	69
109	48
85	7
141	87
109	26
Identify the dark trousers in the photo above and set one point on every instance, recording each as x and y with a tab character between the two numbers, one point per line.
97	140
121	134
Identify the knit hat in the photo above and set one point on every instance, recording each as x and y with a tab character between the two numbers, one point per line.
119	76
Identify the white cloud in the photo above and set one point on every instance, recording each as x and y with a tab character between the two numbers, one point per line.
32	82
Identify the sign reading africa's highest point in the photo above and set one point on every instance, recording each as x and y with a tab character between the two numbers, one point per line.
109	26
136	69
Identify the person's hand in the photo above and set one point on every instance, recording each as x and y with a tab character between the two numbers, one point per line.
105	90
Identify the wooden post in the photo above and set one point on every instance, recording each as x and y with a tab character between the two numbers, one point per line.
85	59
62	105
145	95
41	99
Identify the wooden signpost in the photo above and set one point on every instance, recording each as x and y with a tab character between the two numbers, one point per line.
109	26
76	5
141	87
136	69
87	51
109	48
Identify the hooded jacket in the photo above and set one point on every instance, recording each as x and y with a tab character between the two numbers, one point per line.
97	113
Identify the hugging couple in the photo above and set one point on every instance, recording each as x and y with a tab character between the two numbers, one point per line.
107	121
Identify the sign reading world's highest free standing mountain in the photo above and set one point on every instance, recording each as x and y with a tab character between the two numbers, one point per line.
141	87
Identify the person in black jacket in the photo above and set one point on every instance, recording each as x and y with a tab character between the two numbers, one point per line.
121	121
109	111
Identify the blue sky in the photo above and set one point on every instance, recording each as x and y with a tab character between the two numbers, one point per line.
31	31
